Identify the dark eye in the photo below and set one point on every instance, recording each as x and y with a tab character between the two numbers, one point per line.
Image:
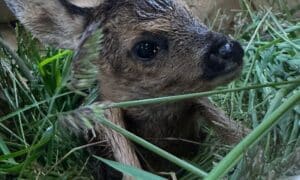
146	50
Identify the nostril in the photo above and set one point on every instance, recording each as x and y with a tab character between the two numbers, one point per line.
225	51
222	48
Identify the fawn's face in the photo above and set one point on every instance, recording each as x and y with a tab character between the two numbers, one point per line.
159	48
150	48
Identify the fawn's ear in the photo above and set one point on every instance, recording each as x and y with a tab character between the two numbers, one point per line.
55	22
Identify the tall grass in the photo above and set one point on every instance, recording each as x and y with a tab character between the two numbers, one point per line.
31	143
272	41
35	91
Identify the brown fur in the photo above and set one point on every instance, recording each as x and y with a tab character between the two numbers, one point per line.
129	79
179	67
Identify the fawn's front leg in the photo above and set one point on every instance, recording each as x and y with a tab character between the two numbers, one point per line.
122	148
119	148
229	130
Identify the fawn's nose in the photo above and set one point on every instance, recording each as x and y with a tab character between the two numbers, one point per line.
227	50
224	56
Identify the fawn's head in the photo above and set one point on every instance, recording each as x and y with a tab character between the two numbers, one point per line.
150	48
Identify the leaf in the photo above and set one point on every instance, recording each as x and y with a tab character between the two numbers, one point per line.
5	150
138	174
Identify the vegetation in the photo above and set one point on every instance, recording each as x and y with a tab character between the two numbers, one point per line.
35	87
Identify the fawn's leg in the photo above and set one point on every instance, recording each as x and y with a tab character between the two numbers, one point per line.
122	148
119	148
229	130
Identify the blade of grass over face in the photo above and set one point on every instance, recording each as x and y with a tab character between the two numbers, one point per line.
156	100
195	95
235	155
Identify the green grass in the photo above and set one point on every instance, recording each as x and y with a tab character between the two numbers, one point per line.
31	142
35	91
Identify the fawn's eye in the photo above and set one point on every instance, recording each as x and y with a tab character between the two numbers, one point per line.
146	50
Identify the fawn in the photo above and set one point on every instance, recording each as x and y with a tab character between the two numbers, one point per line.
149	49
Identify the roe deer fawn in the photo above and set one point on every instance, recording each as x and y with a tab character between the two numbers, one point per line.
150	48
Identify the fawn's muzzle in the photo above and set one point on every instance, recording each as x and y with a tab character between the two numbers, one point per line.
224	57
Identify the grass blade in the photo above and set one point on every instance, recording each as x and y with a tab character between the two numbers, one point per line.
136	173
235	155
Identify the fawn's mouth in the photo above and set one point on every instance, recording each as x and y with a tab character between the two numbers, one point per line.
226	70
